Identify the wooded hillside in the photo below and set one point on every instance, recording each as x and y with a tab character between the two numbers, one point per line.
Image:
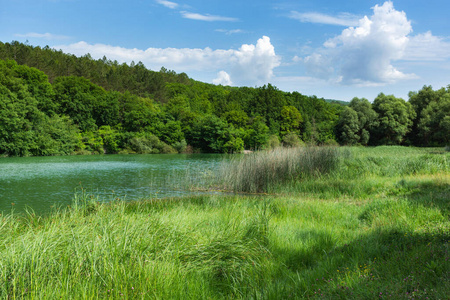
53	103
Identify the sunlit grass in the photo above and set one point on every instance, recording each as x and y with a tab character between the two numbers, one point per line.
346	234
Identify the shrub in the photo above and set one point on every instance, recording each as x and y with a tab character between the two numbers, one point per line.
180	146
330	142
167	149
273	142
292	140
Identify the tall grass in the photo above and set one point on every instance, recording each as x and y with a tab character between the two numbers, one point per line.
212	247
327	244
363	171
139	250
260	171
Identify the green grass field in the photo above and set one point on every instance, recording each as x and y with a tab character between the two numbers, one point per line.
374	224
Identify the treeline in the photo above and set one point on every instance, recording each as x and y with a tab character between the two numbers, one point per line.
422	121
52	103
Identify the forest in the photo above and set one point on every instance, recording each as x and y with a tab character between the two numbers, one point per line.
52	103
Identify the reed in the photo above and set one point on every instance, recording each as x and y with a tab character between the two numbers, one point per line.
259	172
354	233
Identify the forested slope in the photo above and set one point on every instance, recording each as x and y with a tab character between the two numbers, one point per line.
53	103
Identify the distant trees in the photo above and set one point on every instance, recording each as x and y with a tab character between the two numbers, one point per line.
431	125
28	123
367	118
99	106
348	127
385	122
395	119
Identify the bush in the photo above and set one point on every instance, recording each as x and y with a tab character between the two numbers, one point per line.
292	140
149	144
180	146
167	149
273	142
330	142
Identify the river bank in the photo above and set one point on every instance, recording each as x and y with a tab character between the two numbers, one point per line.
382	231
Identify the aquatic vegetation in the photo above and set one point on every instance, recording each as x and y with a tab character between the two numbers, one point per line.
261	171
373	234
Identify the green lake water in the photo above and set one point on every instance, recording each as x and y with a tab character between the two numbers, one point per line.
41	183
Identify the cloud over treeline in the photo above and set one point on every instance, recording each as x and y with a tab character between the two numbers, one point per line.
249	65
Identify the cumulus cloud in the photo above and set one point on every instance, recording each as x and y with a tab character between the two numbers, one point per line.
427	47
343	19
206	17
168	4
47	36
249	65
223	78
363	55
255	62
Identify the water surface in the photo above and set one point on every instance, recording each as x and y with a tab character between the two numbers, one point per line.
43	182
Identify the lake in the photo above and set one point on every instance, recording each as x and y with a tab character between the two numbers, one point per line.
43	182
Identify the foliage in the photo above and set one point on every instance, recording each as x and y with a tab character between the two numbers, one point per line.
292	140
359	232
395	117
24	129
96	105
348	127
273	142
367	117
291	120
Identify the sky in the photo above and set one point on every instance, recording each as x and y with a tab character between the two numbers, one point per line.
331	49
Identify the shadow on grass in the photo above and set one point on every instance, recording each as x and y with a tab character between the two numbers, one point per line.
314	246
430	194
386	264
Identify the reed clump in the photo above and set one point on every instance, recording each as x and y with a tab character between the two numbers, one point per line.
258	172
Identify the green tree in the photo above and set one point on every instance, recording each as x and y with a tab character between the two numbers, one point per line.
24	129
395	117
367	118
419	101
257	134
291	119
55	135
238	118
137	113
77	98
348	127
434	126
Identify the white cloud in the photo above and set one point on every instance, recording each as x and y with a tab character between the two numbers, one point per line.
47	36
168	4
255	62
206	17
343	19
249	65
363	55
223	78
297	59
230	32
426	47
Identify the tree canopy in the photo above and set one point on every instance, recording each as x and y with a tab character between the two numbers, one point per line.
53	103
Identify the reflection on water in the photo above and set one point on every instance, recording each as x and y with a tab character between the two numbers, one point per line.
40	182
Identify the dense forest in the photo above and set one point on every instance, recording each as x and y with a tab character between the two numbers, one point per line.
53	103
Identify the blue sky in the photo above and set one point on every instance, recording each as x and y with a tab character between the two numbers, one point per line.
332	49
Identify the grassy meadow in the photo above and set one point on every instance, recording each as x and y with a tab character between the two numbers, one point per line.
319	223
